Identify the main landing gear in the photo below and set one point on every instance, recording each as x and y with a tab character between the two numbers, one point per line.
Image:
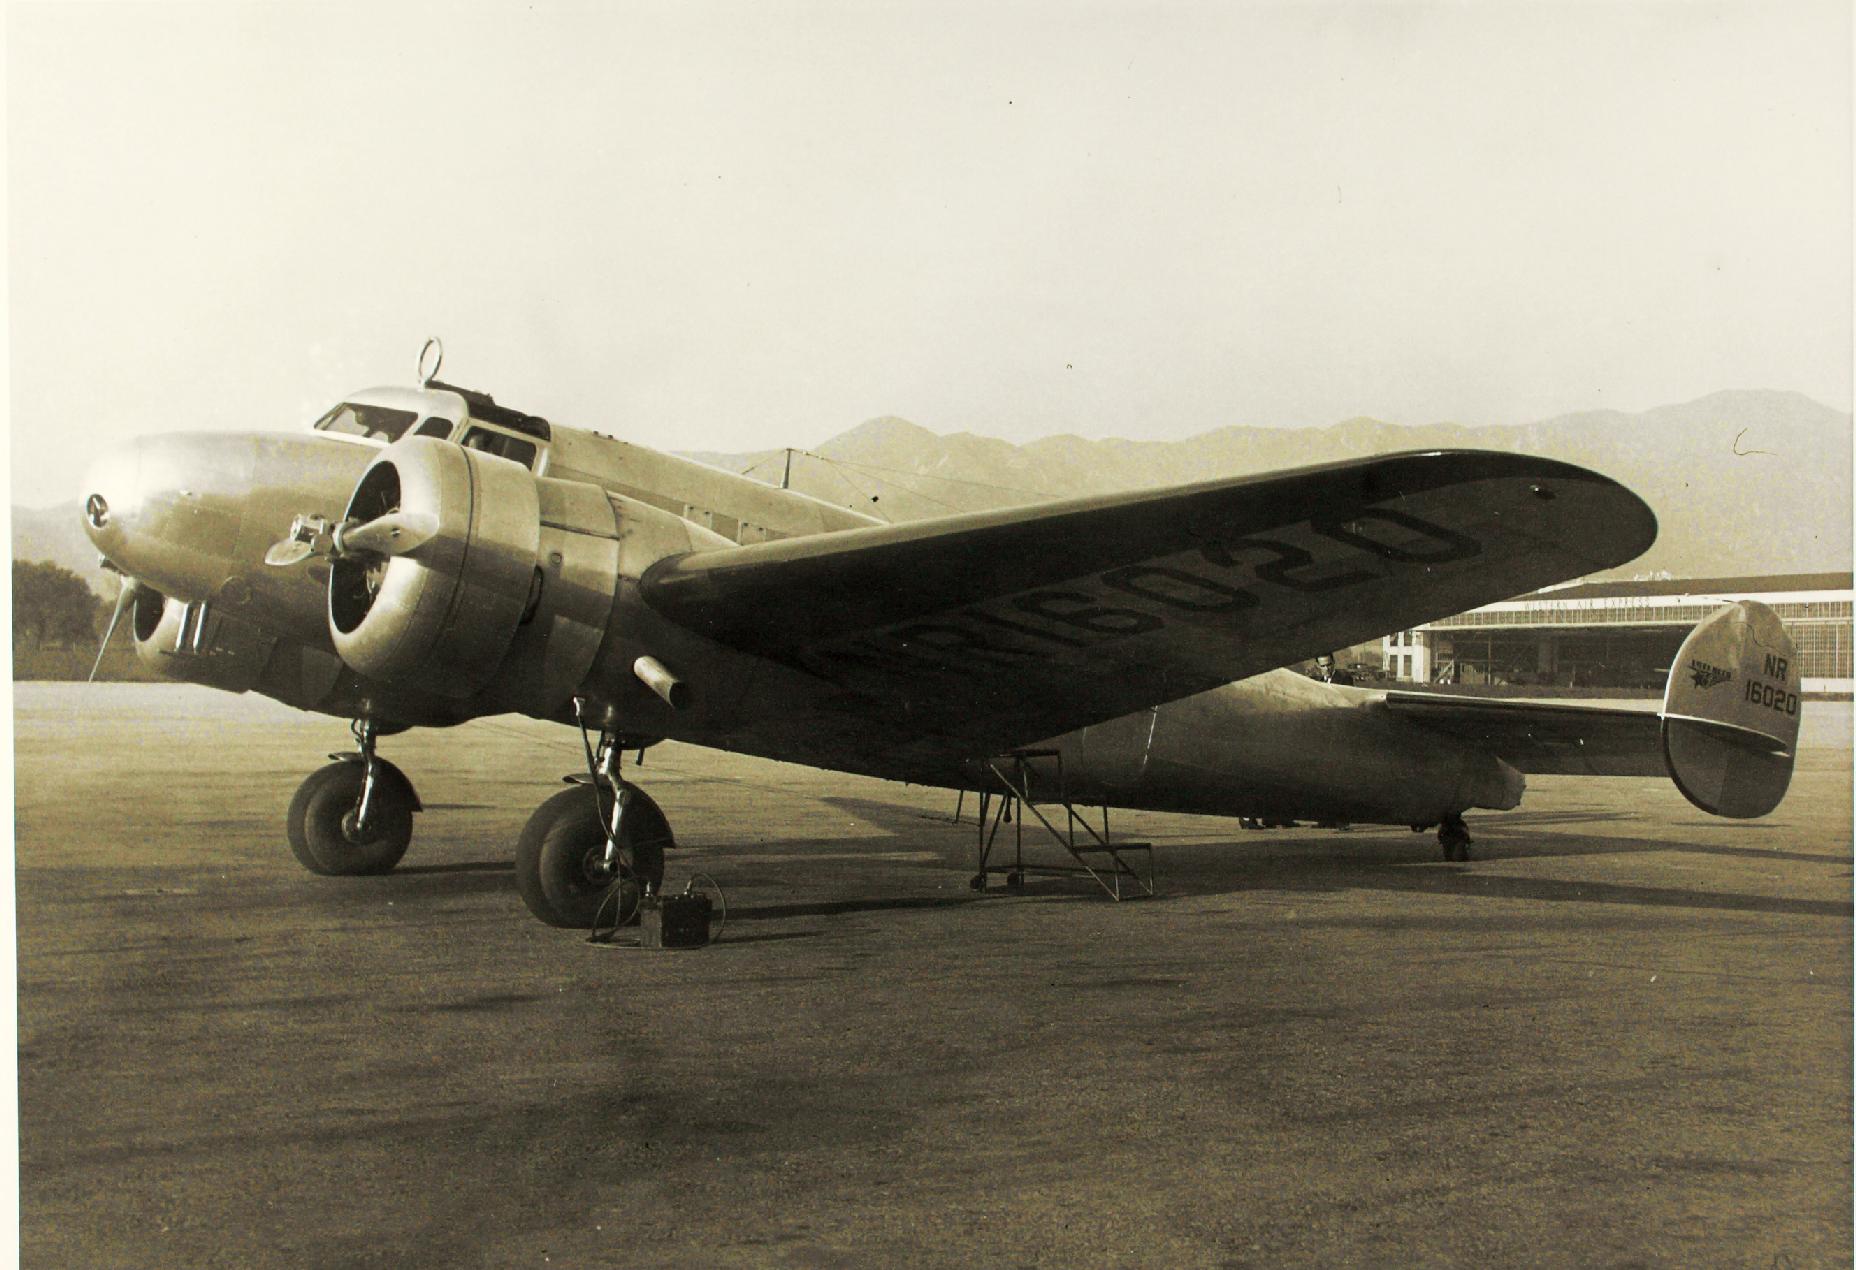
1453	835
590	853
355	815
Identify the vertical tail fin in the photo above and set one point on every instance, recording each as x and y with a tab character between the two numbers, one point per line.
1730	715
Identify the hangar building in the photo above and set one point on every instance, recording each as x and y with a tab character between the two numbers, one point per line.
1619	634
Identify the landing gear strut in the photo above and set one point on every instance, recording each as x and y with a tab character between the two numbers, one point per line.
1453	834
354	816
590	853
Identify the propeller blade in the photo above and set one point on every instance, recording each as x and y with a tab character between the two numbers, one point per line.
124	594
288	552
393	534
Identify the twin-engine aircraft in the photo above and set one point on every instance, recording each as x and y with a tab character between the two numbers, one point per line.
425	556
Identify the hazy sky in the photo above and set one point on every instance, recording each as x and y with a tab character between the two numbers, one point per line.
749	225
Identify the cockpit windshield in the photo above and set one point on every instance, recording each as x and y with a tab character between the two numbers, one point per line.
377	422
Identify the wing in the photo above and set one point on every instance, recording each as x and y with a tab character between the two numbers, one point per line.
1542	739
999	628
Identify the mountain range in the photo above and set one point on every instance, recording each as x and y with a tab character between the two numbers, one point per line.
1742	482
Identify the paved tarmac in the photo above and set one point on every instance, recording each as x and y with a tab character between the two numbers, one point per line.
1621	1036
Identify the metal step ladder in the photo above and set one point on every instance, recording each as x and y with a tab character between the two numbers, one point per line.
1096	856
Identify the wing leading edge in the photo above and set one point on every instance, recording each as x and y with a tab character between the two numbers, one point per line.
994	629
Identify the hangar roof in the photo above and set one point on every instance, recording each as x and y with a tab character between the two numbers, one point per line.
1796	597
1768	584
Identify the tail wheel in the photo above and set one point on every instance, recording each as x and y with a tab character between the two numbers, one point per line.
321	821
1453	834
561	857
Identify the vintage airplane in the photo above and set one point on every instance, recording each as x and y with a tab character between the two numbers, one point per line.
426	556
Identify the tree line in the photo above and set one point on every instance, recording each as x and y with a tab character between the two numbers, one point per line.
52	605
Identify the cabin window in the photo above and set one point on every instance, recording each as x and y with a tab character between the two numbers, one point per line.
376	422
440	428
502	445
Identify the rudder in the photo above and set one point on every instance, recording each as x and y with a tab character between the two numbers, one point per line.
1730	714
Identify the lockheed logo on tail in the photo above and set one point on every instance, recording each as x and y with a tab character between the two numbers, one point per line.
1707	676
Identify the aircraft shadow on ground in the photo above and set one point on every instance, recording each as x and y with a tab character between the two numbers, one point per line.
451	880
1376	858
1426	877
901	832
466	866
837	908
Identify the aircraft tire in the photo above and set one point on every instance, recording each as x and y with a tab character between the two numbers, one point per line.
1453	834
559	858
319	822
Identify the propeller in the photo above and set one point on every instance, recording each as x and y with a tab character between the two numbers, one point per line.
394	534
288	552
125	596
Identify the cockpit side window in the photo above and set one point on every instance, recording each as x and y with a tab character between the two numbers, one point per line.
435	427
376	422
501	444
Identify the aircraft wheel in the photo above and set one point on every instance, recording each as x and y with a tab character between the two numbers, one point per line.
560	858
320	824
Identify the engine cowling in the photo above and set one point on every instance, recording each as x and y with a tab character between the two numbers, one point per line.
199	643
441	617
461	576
195	643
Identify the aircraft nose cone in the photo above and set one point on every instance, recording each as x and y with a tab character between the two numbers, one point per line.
112	497
168	509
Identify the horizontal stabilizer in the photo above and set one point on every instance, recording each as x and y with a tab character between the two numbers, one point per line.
1726	734
1543	738
1730	717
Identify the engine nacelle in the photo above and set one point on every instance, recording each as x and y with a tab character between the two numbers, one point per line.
195	643
199	643
507	603
441	617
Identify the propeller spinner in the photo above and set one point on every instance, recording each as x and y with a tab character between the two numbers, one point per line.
396	533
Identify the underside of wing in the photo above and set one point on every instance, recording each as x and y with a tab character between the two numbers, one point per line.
1544	739
984	631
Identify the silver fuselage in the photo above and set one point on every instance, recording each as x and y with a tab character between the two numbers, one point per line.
190	517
